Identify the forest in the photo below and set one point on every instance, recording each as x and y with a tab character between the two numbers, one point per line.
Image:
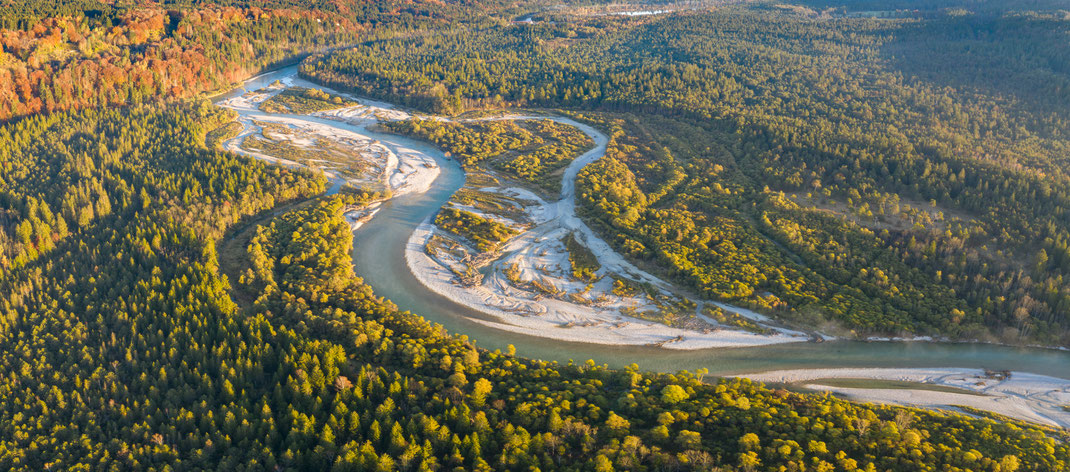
830	170
122	348
303	101
532	151
63	54
125	346
146	55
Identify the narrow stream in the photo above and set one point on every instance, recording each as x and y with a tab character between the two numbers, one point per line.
379	259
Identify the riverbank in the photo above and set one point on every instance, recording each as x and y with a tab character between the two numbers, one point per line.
556	319
526	284
1030	397
393	167
380	246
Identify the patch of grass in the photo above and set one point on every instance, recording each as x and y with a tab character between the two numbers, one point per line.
669	310
732	319
585	265
626	287
486	234
221	134
889	385
284	149
513	274
534	151
491	202
1054	431
302	101
324	154
546	287
667	318
623	287
477	179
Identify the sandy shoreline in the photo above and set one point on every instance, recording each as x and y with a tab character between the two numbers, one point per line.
1030	397
536	255
547	315
401	169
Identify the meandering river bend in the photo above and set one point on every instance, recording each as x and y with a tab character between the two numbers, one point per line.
379	259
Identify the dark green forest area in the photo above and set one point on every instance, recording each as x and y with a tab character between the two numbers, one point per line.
883	176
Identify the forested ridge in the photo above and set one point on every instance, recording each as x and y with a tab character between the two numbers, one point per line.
894	176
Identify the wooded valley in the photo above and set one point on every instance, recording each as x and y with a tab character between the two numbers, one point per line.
892	176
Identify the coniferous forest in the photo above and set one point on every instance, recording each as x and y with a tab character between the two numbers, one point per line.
169	306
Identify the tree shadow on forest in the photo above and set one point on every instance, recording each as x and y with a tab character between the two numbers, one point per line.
1022	60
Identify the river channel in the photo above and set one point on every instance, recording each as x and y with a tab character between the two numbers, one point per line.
379	259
